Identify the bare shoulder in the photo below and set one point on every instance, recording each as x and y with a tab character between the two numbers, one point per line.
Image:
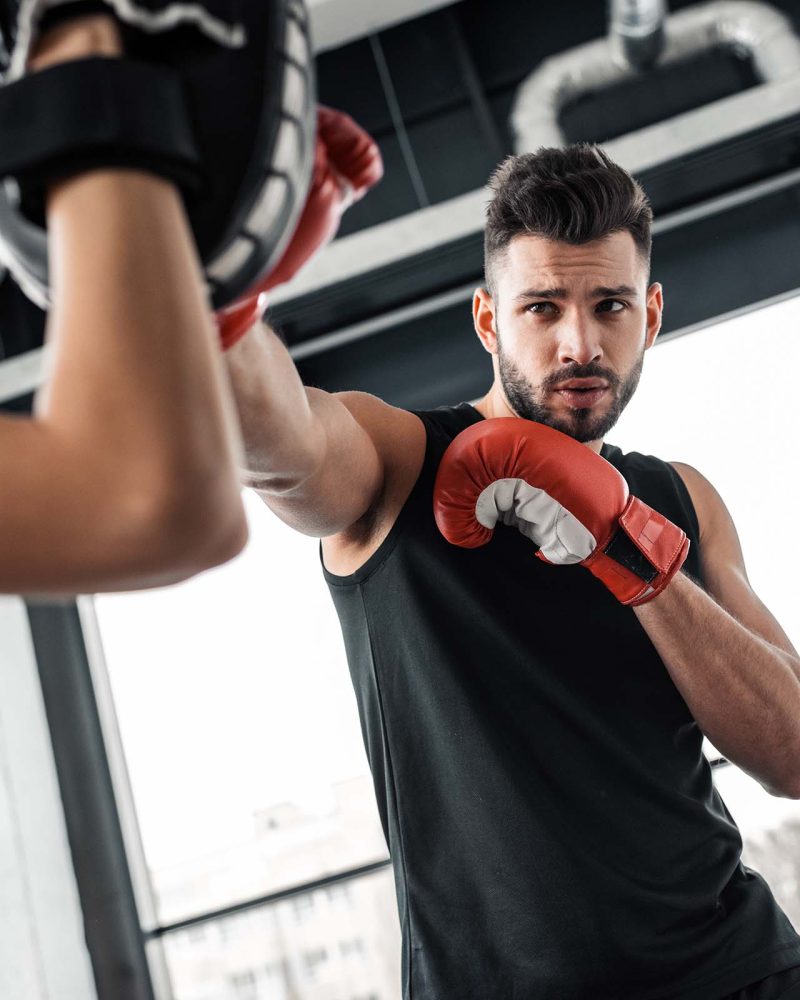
700	490
386	424
399	438
721	550
724	572
398	435
713	516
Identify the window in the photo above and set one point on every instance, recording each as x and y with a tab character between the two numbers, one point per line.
244	985
240	727
313	960
354	947
303	905
291	962
276	970
338	894
722	400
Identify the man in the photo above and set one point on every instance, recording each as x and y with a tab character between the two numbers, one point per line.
534	733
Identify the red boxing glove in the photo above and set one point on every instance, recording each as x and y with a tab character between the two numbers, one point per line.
347	163
568	500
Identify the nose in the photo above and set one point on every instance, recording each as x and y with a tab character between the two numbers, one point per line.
579	342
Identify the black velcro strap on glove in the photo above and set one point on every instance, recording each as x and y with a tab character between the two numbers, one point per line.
96	112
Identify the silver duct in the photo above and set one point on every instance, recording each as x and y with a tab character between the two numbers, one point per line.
636	31
747	27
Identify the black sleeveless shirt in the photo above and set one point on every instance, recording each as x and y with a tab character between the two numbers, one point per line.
552	822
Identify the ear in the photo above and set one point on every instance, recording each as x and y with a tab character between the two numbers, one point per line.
655	310
484	319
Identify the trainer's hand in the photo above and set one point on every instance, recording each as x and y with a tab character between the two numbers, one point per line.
568	500
347	163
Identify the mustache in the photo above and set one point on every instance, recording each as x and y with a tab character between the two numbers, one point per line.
581	371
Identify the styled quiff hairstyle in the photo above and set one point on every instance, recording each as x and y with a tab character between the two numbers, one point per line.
575	195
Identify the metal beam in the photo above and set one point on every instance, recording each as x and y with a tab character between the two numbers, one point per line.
337	22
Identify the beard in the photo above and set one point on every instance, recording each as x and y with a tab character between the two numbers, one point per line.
526	400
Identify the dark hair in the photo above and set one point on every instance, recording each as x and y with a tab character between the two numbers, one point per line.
575	194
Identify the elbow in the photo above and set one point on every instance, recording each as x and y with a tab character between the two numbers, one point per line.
785	789
192	526
792	791
220	537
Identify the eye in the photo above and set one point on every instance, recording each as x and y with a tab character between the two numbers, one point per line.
534	307
612	302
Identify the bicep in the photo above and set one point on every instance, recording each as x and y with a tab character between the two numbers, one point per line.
722	561
357	437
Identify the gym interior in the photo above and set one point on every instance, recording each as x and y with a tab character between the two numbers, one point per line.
186	807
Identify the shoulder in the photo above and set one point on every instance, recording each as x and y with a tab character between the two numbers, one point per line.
399	438
708	504
721	550
386	424
724	569
398	435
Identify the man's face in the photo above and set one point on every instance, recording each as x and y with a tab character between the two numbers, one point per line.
568	327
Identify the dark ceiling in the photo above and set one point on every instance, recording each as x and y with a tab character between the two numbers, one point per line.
450	78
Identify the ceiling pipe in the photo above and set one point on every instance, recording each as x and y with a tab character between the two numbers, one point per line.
748	28
636	32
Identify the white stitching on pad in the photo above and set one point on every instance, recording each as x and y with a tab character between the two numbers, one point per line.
231	36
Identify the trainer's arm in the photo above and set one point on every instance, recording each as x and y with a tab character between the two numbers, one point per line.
126	476
728	656
318	460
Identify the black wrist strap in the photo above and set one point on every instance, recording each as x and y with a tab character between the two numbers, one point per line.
96	112
622	550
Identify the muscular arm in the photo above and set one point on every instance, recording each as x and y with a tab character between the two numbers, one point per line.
728	656
320	461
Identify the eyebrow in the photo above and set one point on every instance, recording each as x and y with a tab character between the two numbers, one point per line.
602	291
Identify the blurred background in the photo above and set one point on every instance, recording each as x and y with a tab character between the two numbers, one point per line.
194	754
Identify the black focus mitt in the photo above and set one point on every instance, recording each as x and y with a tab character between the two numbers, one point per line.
215	95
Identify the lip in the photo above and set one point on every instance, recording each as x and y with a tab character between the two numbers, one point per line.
582	383
582	400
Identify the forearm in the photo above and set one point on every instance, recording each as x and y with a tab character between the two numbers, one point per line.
135	365
283	440
743	691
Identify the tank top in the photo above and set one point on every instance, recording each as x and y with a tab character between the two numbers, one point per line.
553	826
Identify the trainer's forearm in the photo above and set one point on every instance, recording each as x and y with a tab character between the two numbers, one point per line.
126	475
282	439
135	357
137	385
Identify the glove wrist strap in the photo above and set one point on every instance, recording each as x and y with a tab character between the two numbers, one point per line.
641	558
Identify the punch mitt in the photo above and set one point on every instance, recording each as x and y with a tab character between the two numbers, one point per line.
347	163
570	502
215	95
